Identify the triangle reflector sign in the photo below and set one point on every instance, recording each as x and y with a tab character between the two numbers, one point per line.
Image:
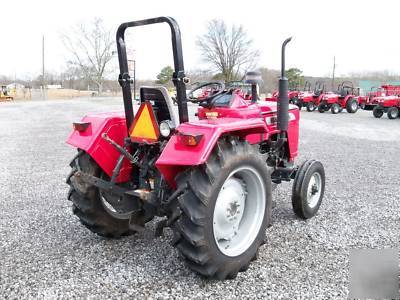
144	128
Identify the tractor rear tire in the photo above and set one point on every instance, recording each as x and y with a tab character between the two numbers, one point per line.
311	106
226	209
393	113
352	106
377	112
335	108
87	203
308	189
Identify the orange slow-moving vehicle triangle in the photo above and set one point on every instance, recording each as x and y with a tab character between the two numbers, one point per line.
144	127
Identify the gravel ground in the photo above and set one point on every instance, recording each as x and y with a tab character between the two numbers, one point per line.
46	253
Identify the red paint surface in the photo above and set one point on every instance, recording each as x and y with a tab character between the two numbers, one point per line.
388	101
100	150
307	97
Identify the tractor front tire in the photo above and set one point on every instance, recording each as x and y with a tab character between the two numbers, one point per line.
311	106
322	108
335	108
377	112
308	189
87	204
226	209
352	106
393	113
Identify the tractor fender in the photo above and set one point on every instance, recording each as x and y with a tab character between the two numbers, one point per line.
176	156
91	141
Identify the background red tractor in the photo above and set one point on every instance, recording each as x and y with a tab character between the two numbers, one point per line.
311	99
368	101
210	179
293	92
389	105
346	97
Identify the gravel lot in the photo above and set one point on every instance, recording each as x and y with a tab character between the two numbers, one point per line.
47	253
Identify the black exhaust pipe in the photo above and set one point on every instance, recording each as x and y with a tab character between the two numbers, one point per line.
283	99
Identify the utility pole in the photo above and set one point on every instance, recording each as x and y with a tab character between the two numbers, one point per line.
333	73
43	79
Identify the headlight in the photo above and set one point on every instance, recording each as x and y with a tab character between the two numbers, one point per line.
166	128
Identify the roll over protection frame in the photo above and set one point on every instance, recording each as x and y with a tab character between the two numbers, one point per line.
178	79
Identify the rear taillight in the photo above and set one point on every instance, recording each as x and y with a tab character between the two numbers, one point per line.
80	126
190	139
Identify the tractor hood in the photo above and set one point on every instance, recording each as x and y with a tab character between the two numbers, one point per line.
330	96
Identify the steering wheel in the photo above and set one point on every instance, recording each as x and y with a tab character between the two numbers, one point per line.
208	99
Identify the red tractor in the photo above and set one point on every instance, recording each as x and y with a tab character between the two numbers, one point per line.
346	97
389	105
368	102
293	93
311	99
209	179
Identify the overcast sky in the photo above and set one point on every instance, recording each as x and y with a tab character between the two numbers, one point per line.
363	35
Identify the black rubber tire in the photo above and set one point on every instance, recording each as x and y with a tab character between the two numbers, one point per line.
321	108
299	103
349	105
393	113
300	185
311	106
86	202
194	237
335	108
377	112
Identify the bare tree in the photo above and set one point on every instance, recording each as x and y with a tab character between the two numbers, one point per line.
90	46
229	50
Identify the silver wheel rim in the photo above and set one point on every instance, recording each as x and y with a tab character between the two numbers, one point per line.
354	105
239	211
112	211
314	190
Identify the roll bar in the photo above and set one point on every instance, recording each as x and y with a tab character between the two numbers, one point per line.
178	77
319	85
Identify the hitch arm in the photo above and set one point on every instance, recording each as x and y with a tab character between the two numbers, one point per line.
120	149
111	187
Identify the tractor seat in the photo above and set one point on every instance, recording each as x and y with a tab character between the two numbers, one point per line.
161	101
